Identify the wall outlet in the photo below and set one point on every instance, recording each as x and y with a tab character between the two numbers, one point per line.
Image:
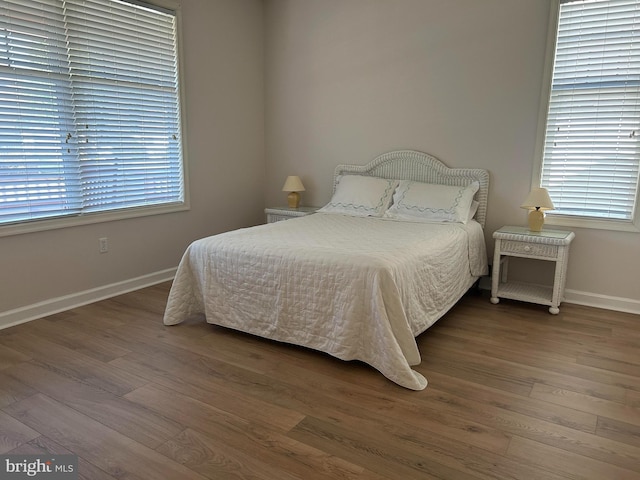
104	244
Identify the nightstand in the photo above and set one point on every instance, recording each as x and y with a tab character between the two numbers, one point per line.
276	214
549	245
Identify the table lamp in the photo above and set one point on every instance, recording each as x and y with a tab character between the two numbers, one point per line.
538	201
293	184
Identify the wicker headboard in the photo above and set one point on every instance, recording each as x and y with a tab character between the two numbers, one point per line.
422	167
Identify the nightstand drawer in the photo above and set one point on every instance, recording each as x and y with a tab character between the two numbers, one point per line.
277	214
272	217
532	249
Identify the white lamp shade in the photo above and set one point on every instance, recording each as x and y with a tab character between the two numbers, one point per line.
538	199
293	184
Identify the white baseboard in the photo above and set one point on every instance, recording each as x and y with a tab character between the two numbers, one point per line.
588	299
67	302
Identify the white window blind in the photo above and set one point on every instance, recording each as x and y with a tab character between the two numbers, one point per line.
591	151
89	108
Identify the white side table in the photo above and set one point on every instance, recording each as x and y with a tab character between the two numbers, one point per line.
276	214
549	245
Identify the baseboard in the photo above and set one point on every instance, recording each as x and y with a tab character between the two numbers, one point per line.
67	302
607	302
587	299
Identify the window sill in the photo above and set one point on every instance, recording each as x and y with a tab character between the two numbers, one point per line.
66	222
583	222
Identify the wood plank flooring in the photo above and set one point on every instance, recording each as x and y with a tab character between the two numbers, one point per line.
514	393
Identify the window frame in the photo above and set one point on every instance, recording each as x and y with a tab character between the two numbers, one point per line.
632	225
52	223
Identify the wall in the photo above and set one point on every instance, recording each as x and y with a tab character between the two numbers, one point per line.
459	79
340	82
223	56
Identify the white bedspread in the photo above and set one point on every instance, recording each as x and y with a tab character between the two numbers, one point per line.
356	288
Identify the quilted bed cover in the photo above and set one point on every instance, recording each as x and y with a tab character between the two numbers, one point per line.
356	288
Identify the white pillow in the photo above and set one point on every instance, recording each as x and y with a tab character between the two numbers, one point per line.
419	201
361	196
473	210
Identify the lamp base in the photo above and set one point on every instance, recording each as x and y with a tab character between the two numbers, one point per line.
536	220
293	199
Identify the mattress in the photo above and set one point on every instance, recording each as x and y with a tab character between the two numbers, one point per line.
358	288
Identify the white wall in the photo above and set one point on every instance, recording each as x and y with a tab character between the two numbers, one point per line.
459	79
341	82
224	85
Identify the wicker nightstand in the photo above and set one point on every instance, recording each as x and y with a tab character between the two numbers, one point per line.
549	245
276	214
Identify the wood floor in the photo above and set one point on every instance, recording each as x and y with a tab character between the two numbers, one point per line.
514	393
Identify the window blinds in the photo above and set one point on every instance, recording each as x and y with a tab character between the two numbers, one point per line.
89	111
591	153
37	175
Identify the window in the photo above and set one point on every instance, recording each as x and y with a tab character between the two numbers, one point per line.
591	150
89	110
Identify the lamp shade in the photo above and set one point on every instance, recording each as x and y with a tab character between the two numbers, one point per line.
538	199
293	184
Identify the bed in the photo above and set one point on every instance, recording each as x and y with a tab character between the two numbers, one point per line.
360	279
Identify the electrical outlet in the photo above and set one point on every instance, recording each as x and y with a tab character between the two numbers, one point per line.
104	244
